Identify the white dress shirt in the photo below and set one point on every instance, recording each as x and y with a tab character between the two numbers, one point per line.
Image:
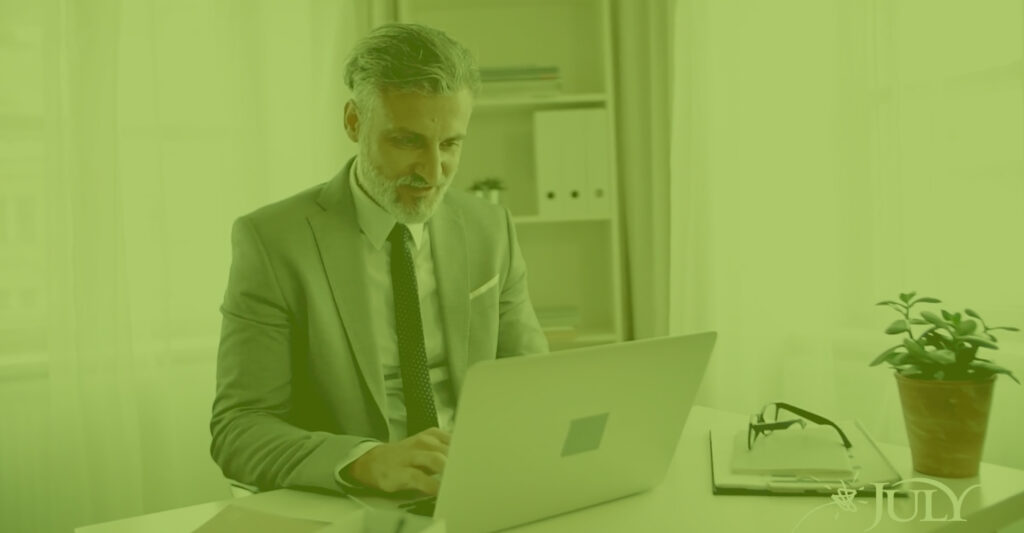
375	225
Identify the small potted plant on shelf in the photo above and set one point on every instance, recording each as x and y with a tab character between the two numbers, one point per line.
489	188
945	388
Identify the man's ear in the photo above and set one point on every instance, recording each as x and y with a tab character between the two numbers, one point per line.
352	122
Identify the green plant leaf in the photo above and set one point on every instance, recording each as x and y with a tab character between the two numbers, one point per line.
910	369
1007	328
927	300
943	334
906	296
947	315
919	322
913	347
937	337
897	327
884	356
941	357
992	368
978	341
966	327
934	319
895	306
971	313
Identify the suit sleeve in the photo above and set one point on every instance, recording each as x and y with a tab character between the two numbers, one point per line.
519	332
251	440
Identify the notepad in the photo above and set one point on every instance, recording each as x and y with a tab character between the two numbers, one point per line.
815	470
795	451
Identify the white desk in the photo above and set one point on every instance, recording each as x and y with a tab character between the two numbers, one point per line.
682	502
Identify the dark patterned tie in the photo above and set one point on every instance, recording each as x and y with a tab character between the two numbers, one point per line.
412	353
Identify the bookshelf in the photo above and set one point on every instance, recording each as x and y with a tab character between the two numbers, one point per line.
573	254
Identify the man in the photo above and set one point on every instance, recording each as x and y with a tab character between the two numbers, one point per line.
354	309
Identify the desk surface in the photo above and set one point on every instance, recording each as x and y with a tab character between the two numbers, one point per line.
684	500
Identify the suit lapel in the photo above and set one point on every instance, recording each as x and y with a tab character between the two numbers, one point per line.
448	249
337	235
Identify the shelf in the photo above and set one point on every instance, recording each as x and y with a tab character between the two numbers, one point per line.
571	265
490	103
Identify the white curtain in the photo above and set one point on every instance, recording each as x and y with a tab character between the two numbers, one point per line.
831	154
644	59
131	134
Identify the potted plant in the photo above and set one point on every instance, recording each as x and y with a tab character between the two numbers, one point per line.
945	388
489	188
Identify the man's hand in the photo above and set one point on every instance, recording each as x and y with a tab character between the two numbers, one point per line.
408	464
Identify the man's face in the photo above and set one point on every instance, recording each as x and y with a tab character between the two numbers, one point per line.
409	150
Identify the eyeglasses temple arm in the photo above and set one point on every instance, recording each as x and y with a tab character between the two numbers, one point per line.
817	419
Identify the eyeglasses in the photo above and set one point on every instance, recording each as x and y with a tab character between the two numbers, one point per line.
761	424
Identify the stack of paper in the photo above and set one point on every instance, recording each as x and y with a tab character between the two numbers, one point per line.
559	323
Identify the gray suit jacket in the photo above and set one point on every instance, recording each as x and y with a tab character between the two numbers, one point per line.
298	384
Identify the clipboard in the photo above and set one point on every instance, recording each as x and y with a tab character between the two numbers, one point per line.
869	466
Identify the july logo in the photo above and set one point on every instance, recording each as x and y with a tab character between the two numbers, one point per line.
844	501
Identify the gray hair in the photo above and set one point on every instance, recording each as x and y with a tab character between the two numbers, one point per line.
409	57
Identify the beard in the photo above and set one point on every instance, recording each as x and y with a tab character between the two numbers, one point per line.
384	191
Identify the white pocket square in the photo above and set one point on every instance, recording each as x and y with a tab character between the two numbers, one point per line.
483	288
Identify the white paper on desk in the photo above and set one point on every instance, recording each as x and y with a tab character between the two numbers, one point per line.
234	518
384	521
815	450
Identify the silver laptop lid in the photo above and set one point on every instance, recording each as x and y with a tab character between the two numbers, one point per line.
541	435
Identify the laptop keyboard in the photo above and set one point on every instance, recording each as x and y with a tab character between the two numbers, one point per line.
424	507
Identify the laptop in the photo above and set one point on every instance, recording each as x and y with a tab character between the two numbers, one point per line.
542	435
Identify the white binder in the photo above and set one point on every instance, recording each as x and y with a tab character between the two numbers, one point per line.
598	165
572	163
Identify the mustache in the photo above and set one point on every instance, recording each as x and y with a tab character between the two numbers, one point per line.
413	180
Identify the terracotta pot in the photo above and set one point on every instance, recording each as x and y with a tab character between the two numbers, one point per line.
946	423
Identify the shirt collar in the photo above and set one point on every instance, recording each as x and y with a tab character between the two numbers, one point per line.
374	221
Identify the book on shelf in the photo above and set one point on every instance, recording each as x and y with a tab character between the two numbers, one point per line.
527	80
519	73
559	323
558	317
560	334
